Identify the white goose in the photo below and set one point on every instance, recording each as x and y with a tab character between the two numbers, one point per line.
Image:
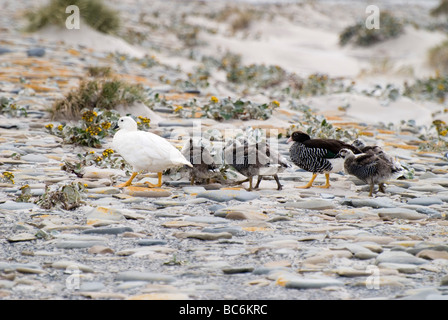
145	151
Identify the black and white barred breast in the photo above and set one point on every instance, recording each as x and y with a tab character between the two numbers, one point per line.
314	160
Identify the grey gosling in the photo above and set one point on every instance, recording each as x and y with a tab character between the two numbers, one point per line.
255	159
368	167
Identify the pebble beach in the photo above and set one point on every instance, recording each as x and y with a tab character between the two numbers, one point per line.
220	241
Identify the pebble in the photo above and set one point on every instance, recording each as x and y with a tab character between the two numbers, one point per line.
35	158
36	52
373	203
309	283
425	201
398	257
316	204
12	205
400	213
116	230
106	215
227	195
144	276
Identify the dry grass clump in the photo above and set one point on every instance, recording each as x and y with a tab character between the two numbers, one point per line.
441	9
438	57
100	93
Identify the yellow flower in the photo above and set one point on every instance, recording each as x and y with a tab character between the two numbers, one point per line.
144	120
107	152
444	132
89	115
9	176
91	152
178	108
106	125
60	127
49	126
214	99
441	87
276	103
98	159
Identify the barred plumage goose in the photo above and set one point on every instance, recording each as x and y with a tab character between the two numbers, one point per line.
255	159
317	155
368	167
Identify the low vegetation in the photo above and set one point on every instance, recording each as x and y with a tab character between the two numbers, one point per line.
92	12
359	35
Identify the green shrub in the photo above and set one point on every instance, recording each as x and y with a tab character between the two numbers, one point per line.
93	12
359	35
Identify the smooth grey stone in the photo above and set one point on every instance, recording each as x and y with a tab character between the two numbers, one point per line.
400	213
115	230
216	207
206	219
91	286
400	267
151	242
144	276
417	249
306	283
35	158
399	257
131	285
313	204
36	52
179	123
12	205
234	270
374	203
5	50
227	195
77	244
425	201
233	230
268	270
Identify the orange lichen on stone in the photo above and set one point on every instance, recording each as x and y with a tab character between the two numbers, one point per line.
401	146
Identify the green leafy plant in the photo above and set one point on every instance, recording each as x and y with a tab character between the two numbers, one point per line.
432	88
317	126
90	131
105	159
93	12
94	126
9	108
359	35
227	109
67	197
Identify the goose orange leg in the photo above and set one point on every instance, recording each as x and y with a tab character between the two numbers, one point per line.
327	183
310	183
158	185
127	183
